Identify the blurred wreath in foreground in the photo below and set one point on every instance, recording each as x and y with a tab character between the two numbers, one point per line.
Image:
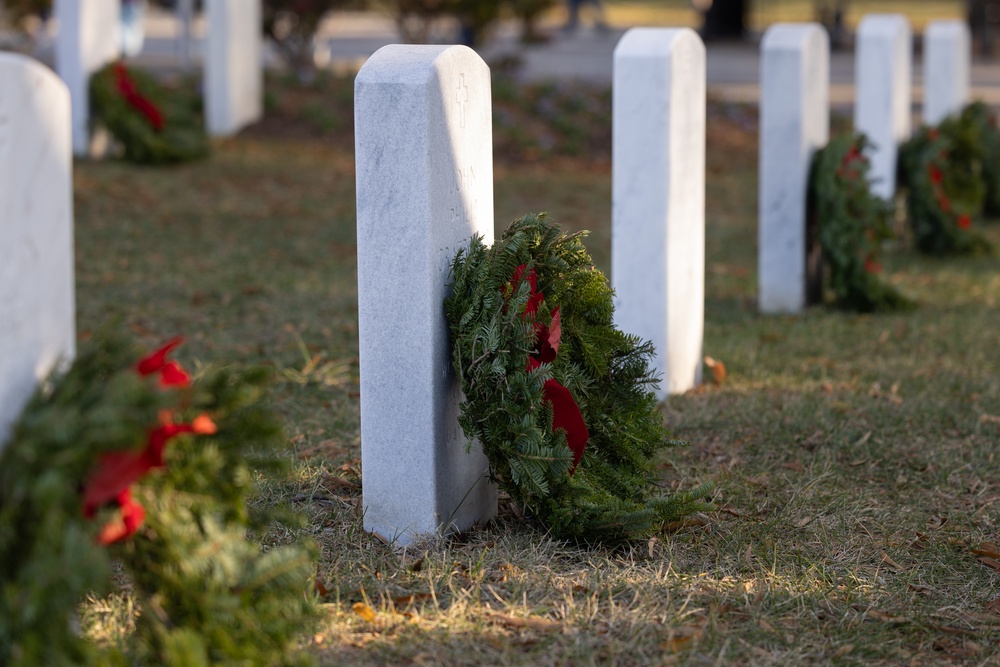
135	462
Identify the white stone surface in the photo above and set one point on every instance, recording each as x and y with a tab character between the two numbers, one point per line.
37	313
794	124
88	38
234	73
947	55
883	66
423	134
658	197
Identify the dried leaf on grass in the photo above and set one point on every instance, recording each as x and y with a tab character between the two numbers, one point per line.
843	650
993	606
717	368
530	622
683	637
988	549
364	611
990	562
673	526
989	419
891	563
405	600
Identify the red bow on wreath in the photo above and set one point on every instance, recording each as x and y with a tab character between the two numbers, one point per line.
111	481
565	412
127	89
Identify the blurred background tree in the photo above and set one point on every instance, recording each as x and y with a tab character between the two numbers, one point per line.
18	11
291	25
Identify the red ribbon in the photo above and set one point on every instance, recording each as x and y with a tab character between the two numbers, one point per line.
110	483
127	89
565	412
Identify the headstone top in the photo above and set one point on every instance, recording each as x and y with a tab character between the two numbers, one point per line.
792	36
884	24
654	42
416	63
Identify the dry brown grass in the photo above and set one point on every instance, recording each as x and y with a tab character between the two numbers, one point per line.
855	456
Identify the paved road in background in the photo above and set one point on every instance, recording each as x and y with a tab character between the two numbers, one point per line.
347	39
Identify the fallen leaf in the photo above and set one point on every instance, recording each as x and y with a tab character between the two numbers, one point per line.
718	370
334	482
672	526
794	465
764	625
892	563
531	622
863	439
652	546
994	606
990	562
683	637
405	600
989	419
364	611
843	650
885	617
321	589
987	549
803	522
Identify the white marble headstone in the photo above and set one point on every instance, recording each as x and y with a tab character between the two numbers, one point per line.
37	313
658	197
883	65
89	37
794	124
423	135
234	71
947	52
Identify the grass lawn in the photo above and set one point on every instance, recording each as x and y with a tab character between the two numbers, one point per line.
856	457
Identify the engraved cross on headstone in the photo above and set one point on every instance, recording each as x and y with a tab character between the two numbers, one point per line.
462	98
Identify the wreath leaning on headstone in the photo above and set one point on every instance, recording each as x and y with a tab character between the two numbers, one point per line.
153	125
853	223
560	399
136	462
942	170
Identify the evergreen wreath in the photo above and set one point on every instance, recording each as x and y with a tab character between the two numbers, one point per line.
133	462
852	225
942	170
153	125
559	398
985	122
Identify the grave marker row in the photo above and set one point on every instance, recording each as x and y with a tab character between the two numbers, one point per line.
88	39
794	124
